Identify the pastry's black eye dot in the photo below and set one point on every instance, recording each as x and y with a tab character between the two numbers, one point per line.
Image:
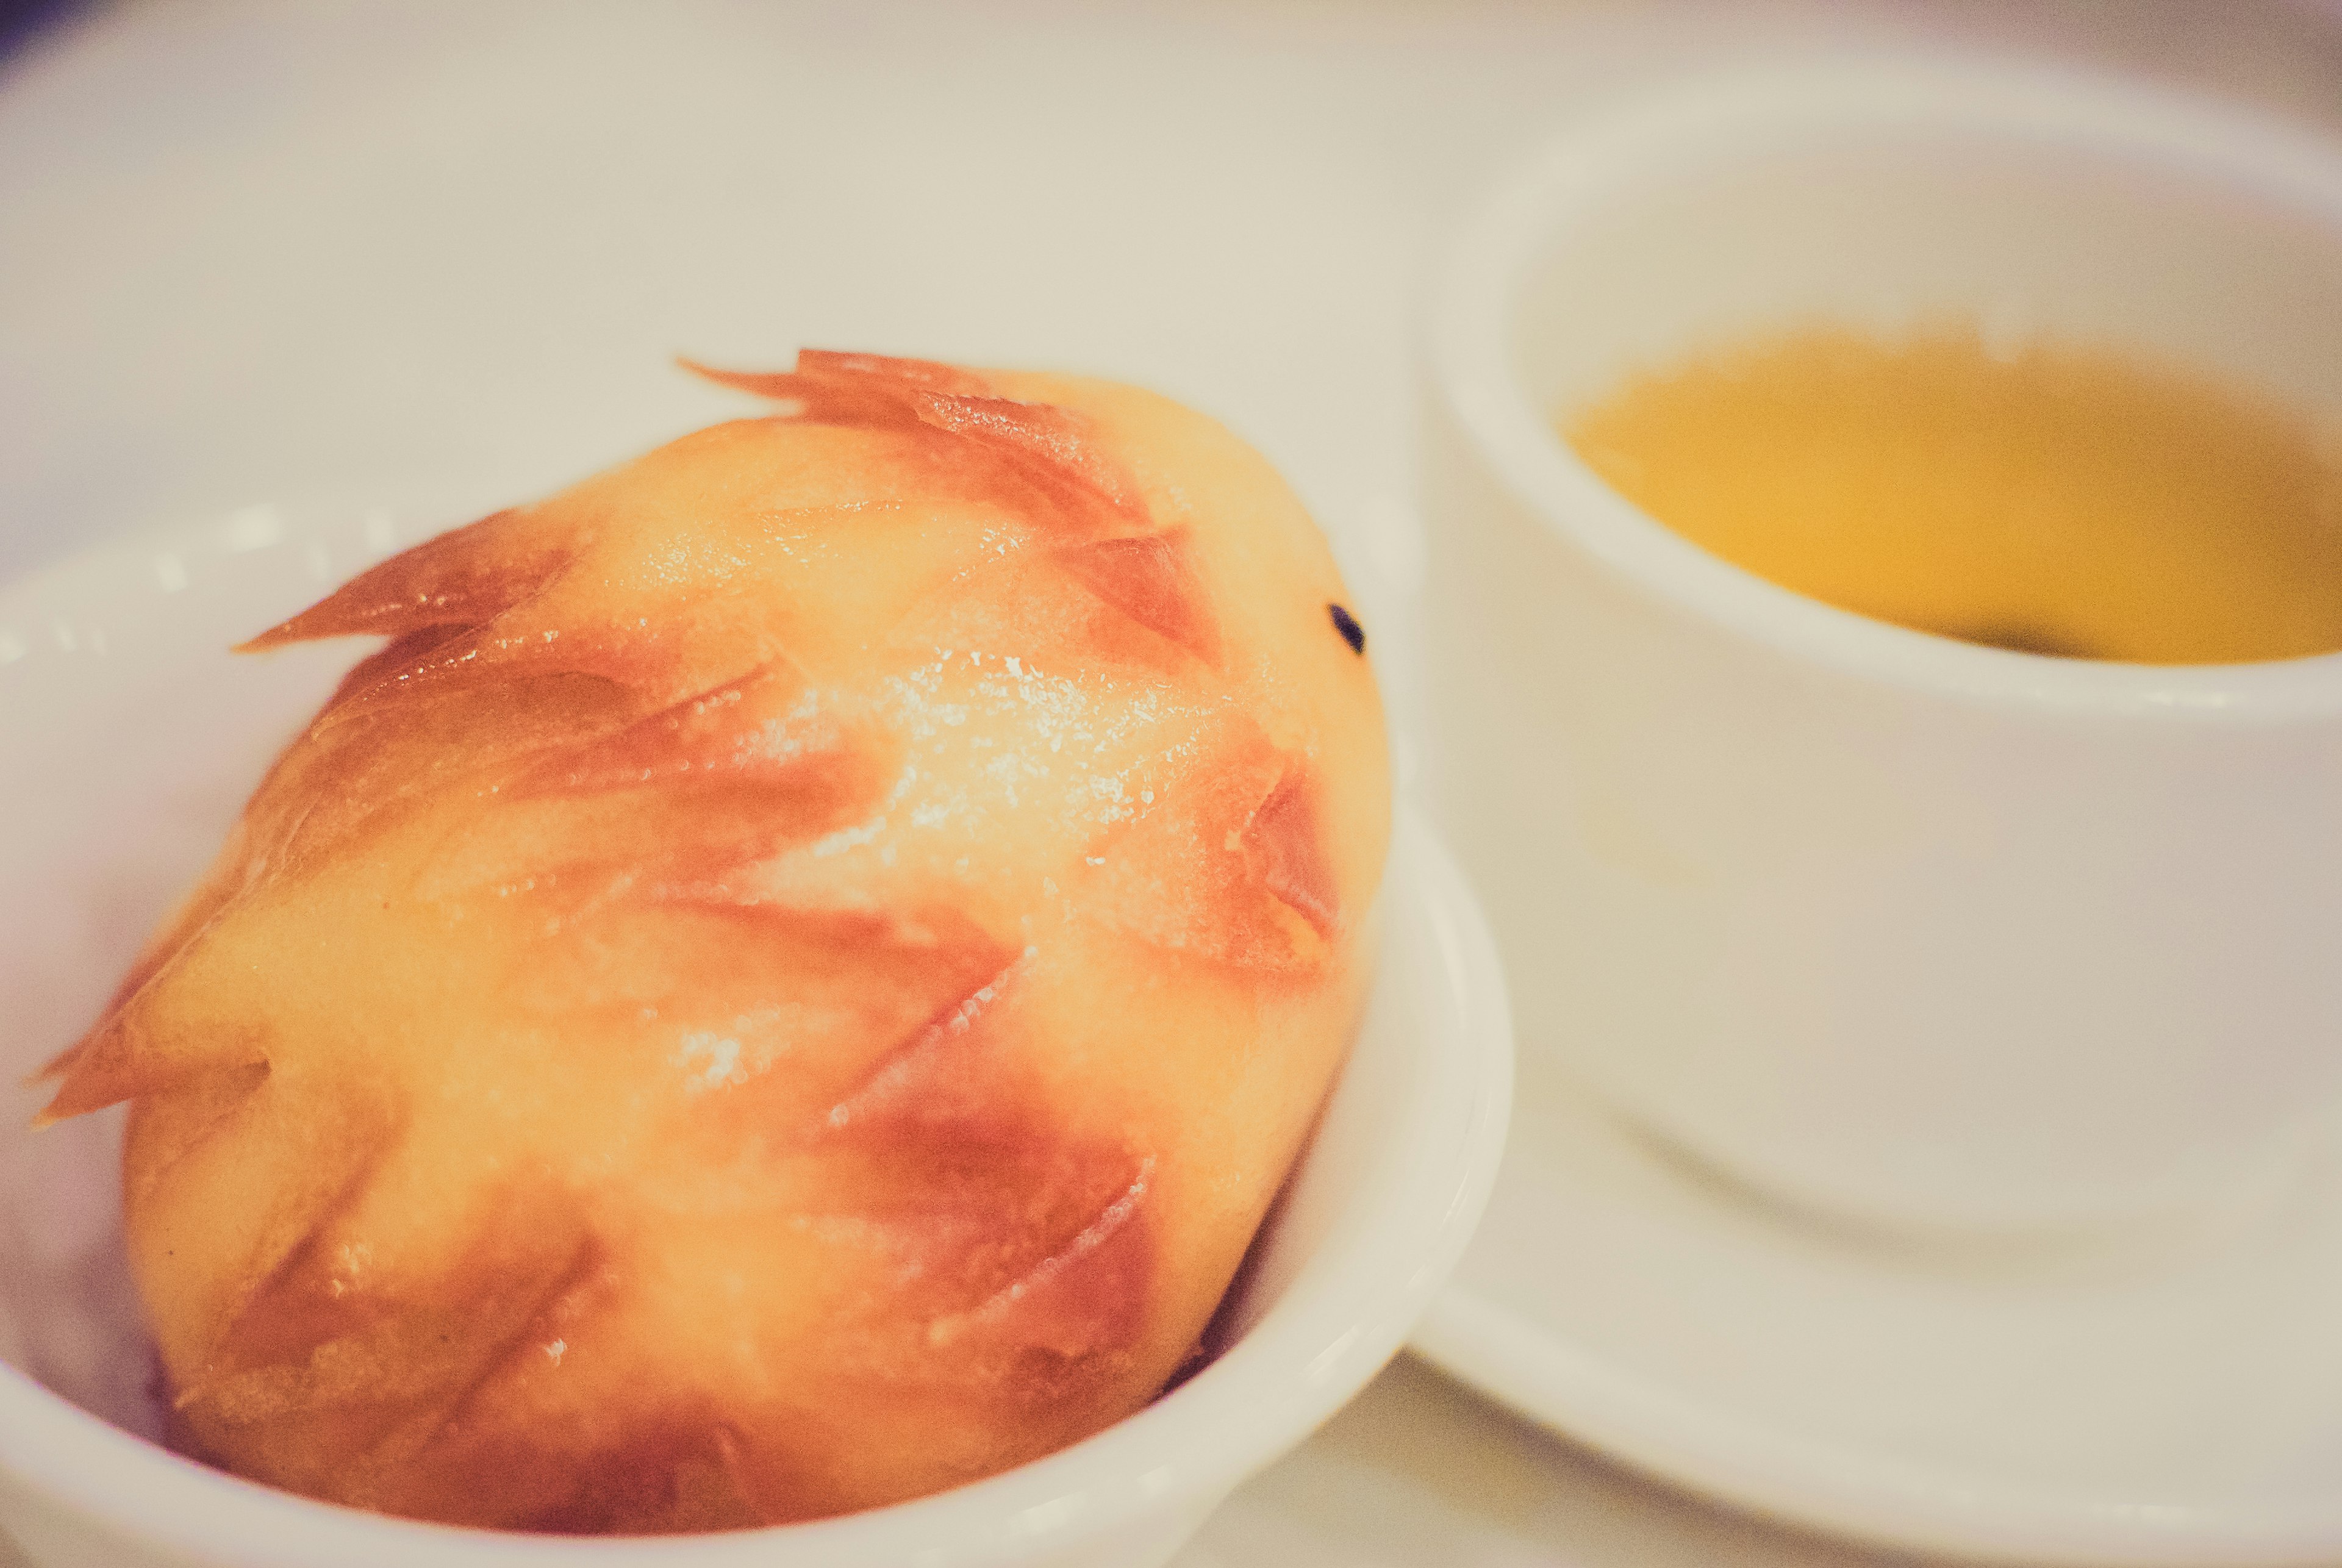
1347	624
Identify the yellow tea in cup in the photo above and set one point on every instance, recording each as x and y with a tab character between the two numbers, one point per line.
2056	499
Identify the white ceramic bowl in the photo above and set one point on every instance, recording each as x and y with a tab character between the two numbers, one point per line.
130	737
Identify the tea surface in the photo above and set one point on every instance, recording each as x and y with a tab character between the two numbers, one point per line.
2058	499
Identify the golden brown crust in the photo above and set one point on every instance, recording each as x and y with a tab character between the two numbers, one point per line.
787	982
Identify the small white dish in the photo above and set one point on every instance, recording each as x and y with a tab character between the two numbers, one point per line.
128	735
2152	1402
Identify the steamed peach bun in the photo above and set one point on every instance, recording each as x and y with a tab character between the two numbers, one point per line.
786	983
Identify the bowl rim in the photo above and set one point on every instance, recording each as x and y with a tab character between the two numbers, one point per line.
1342	1317
1713	119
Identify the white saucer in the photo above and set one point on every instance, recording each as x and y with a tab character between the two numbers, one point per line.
2180	1402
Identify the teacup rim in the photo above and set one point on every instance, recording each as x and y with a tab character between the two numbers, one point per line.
1766	105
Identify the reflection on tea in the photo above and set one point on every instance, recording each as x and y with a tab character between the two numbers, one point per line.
2057	499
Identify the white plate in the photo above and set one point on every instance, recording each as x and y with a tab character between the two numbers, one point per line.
2177	1402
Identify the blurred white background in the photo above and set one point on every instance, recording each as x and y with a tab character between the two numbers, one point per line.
255	250
261	247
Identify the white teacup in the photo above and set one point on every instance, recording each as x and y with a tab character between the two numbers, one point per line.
1898	927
